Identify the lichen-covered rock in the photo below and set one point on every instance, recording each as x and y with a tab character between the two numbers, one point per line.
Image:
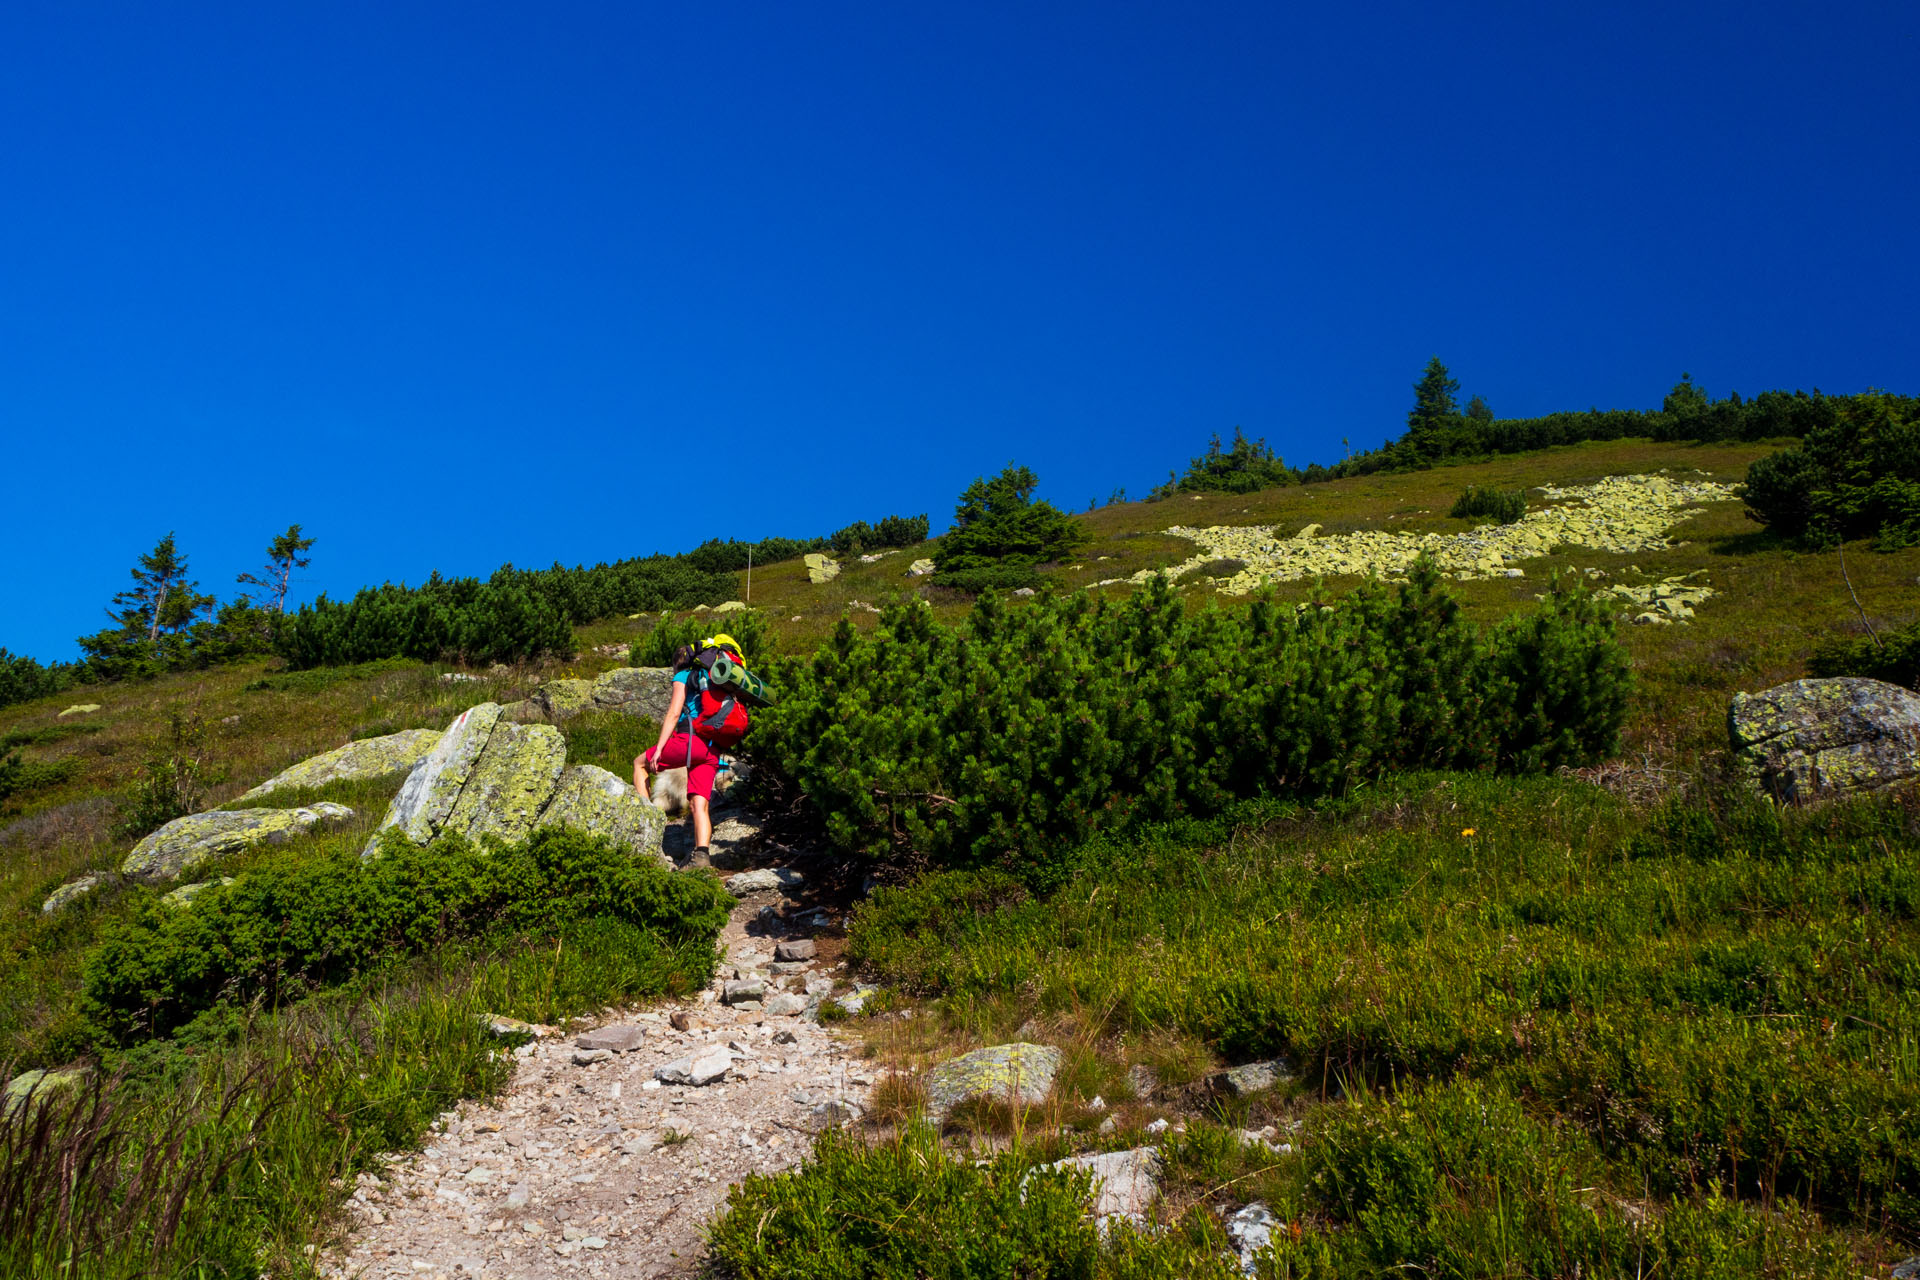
372	759
1013	1072
69	893
1814	740
79	709
186	843
589	798
186	893
563	699
427	797
920	568
637	691
1619	514
1252	1077
820	568
510	783
39	1086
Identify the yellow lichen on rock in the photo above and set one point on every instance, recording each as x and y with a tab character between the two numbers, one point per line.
1617	514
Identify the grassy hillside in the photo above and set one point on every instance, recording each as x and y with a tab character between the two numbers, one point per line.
1675	997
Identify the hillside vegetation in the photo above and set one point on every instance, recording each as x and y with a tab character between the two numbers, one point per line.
1556	995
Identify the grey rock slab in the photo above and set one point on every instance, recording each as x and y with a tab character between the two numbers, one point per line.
785	1005
1124	1182
619	1039
588	798
764	880
587	1057
428	795
1019	1072
186	843
371	759
787	968
1251	1230
511	783
800	949
1813	740
704	1067
69	893
1252	1077
836	1112
742	990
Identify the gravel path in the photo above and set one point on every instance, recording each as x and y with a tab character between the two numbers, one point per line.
590	1166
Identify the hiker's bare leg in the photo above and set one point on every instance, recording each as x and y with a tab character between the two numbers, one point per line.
640	779
702	822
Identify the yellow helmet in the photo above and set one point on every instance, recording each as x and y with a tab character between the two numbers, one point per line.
722	641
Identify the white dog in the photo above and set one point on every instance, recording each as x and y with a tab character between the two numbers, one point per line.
670	790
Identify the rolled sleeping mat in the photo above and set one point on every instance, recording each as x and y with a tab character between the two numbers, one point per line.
735	679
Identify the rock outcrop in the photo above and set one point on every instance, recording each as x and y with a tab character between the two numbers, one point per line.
492	777
821	568
373	759
1814	740
1010	1072
186	843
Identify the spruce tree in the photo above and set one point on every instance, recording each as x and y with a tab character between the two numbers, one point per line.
1434	411
163	597
284	555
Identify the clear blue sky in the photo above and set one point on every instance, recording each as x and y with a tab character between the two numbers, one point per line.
465	284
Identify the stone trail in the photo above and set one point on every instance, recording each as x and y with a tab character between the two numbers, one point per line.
590	1165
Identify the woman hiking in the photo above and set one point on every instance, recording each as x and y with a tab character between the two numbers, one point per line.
699	724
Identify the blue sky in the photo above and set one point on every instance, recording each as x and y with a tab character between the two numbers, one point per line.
458	285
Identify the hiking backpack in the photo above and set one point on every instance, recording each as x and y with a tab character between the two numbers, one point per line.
718	694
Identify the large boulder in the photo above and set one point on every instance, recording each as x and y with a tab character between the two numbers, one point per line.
511	782
492	777
372	759
1020	1073
638	691
642	692
186	843
589	798
820	568
1814	740
428	795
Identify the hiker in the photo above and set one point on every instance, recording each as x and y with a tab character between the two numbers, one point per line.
702	720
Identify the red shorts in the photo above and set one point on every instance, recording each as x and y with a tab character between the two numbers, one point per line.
699	757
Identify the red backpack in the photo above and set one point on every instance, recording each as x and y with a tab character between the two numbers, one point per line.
718	716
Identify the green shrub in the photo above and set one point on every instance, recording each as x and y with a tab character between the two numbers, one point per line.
748	626
1000	534
1458	1180
911	1210
1242	468
283	930
22	679
1856	475
1893	657
1501	506
24	777
1024	731
893	531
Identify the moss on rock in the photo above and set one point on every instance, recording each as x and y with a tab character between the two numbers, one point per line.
371	759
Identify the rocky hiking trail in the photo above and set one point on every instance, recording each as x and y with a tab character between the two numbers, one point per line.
619	1137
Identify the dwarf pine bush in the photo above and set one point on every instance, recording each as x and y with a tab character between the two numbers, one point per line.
281	931
1500	505
1024	731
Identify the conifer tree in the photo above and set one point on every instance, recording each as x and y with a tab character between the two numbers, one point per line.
1434	410
284	555
163	597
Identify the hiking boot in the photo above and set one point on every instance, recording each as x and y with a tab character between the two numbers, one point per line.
700	857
